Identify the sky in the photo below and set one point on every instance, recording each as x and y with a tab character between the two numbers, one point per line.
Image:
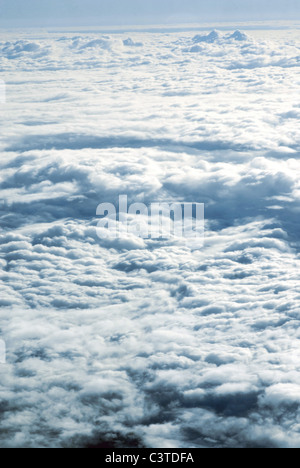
16	13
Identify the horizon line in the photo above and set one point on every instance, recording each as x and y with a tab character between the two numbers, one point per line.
160	27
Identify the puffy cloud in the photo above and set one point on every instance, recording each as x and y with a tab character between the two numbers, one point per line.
209	38
142	342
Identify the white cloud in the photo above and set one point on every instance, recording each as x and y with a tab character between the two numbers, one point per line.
139	342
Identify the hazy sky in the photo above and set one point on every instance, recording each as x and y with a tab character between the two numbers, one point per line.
118	12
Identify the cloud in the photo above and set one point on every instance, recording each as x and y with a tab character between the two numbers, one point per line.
129	42
139	342
209	38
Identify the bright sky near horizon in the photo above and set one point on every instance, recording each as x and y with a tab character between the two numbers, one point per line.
118	12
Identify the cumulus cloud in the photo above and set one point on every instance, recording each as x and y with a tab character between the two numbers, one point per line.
134	342
209	38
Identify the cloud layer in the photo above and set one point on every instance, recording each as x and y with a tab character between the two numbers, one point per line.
131	342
